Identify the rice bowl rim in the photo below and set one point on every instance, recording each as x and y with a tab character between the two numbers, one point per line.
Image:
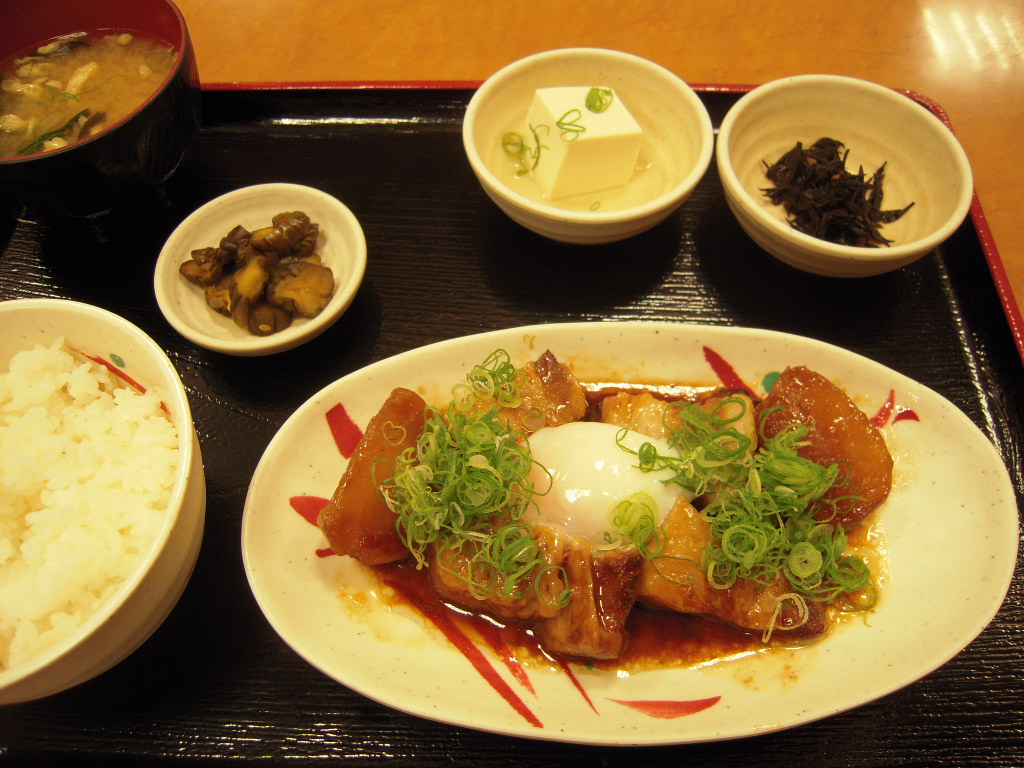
177	401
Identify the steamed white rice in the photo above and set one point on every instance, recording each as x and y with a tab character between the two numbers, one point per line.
87	466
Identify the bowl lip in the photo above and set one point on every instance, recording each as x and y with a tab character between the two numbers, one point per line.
182	44
667	199
741	197
292	336
187	464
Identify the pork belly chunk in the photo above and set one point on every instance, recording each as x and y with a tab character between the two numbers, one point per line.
604	588
654	416
676	581
451	570
550	395
639	411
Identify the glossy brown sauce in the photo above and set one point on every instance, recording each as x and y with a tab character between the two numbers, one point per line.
658	639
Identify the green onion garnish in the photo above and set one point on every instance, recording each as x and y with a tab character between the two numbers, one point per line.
37	143
766	509
465	486
513	143
570	126
599	99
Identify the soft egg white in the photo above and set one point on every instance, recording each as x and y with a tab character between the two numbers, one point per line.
590	474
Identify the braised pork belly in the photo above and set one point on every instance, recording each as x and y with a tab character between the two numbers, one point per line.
579	593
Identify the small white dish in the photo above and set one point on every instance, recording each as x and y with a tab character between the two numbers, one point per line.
924	165
675	151
954	505
341	246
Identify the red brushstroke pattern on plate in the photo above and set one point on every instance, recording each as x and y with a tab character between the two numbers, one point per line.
346	433
890	412
429	604
725	372
669	710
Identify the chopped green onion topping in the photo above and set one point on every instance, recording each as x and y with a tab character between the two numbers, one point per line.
711	452
570	126
37	144
599	99
465	486
765	508
514	144
494	379
633	523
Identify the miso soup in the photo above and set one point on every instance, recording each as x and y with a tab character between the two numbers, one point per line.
75	86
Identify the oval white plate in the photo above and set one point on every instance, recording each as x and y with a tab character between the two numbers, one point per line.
341	246
950	525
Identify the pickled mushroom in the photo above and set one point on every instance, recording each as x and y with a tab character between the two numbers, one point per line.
261	279
206	266
304	248
248	285
235	239
287	232
265	319
301	287
218	296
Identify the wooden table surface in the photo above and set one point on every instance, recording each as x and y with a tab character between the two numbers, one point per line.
967	56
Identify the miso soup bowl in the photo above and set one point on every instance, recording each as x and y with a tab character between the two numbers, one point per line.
92	177
138	605
676	148
924	165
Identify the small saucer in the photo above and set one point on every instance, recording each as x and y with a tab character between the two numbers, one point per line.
341	247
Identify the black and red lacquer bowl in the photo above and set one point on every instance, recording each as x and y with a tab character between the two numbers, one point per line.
92	177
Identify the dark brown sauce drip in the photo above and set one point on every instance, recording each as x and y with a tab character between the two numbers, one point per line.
658	639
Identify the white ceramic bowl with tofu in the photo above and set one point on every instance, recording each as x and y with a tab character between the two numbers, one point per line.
675	145
924	165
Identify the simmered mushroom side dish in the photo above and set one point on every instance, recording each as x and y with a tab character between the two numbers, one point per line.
262	279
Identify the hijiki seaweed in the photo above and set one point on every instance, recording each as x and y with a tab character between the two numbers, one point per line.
823	199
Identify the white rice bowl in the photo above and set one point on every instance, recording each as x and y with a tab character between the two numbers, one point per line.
102	495
87	474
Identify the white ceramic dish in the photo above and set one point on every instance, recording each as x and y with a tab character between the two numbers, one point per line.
678	140
949	505
144	600
925	165
341	245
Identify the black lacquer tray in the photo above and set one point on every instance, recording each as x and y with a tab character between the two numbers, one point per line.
216	682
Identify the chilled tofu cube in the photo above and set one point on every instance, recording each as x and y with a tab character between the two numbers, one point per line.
582	150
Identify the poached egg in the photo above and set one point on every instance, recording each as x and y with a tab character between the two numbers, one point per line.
591	475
